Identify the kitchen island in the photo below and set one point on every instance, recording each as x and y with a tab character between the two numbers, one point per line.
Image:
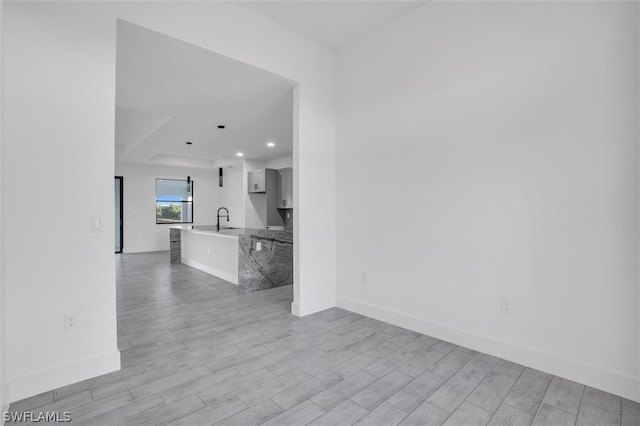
254	259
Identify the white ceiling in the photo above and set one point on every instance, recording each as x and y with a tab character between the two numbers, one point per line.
334	23
169	92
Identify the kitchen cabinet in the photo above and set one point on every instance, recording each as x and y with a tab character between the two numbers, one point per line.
285	188
263	189
257	181
175	245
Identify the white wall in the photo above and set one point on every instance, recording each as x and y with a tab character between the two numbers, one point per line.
488	151
58	152
4	391
141	233
232	195
59	66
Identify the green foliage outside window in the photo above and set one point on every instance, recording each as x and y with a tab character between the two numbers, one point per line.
168	214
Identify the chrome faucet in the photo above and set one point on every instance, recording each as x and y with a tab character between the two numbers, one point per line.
221	215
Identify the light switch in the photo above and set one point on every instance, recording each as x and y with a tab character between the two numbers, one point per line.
96	224
258	246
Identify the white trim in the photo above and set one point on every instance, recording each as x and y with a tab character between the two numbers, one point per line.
33	384
308	308
146	249
213	271
5	398
295	308
609	381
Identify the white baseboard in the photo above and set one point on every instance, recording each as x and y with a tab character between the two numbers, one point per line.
213	271
149	249
34	384
615	383
308	308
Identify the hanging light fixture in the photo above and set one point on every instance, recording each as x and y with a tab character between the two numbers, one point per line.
220	181
221	127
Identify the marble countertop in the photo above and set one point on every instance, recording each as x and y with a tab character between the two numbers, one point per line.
231	232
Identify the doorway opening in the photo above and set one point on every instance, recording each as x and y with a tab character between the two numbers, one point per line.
168	126
119	225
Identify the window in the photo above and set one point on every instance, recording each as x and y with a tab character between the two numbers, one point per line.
174	201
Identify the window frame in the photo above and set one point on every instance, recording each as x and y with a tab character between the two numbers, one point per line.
183	203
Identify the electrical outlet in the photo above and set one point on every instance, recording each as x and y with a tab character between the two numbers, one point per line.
96	224
505	306
70	322
363	278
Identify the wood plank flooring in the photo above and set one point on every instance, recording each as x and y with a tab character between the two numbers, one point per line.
197	352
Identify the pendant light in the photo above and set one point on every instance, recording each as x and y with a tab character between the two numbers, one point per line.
220	128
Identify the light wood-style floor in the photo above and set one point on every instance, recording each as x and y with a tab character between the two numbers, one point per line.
197	352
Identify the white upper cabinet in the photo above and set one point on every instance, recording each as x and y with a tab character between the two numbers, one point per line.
257	182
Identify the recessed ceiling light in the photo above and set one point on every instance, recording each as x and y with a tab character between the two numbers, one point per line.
189	143
271	144
239	154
